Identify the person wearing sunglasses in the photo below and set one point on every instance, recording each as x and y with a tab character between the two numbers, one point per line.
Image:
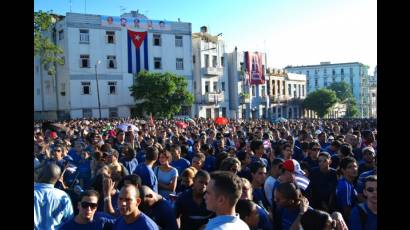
87	218
364	215
313	155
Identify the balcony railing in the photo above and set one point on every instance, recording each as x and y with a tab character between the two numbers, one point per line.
213	98
212	71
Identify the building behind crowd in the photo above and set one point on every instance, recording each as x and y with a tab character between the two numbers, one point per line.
100	46
323	75
247	84
373	94
209	75
286	92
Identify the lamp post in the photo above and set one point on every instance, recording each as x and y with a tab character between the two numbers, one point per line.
98	91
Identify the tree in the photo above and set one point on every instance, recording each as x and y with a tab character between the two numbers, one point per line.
46	49
344	94
320	101
161	94
343	90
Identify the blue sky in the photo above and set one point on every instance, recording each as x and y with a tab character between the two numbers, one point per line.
292	32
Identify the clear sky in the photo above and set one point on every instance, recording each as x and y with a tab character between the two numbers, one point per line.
291	32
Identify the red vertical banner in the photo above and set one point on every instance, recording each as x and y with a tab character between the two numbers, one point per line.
256	69
247	68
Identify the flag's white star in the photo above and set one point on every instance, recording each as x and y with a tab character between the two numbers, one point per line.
137	37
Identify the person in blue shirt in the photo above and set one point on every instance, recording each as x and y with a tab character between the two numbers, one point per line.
364	215
190	206
75	153
367	164
210	159
52	206
87	218
222	194
290	206
128	160
258	150
178	162
360	182
131	217
322	137
145	171
158	209
312	158
346	194
258	172
345	150
334	147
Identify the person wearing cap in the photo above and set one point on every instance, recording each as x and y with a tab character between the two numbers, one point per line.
367	163
323	181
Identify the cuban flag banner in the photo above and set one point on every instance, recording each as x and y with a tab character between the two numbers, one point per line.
137	55
255	68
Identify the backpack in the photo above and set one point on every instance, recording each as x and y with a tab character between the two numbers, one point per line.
363	214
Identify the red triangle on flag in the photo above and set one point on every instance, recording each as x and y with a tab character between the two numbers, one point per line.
137	37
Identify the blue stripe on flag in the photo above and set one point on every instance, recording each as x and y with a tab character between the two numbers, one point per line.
146	52
129	55
138	59
301	181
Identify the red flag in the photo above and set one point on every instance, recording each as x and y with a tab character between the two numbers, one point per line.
151	120
137	37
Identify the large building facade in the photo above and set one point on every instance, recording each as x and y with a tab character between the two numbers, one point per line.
323	75
209	75
286	92
101	47
248	98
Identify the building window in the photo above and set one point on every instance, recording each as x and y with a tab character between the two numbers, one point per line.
194	85
316	82
307	83
157	63
84	36
333	79
263	91
86	88
324	71
112	87
110	37
157	40
180	63
290	89
342	72
333	72
325	81
38	91
351	81
299	91
87	113
307	73
224	111
303	90
215	86
62	89
223	86
85	61
206	56
113	112
48	87
214	61
61	35
111	62
316	71
207	87
178	41
222	61
193	59
278	87
351	71
342	78
253	90
273	87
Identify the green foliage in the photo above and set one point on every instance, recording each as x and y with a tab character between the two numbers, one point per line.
351	111
48	51
161	94
342	89
320	101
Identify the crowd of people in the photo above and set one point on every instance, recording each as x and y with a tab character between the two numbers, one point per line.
197	174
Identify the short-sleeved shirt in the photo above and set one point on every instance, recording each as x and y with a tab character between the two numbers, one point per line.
180	164
264	222
226	222
312	163
193	216
165	177
209	164
98	223
268	188
143	222
130	165
147	175
355	222
259	198
163	214
346	195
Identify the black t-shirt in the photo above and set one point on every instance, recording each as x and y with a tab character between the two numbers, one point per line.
321	186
